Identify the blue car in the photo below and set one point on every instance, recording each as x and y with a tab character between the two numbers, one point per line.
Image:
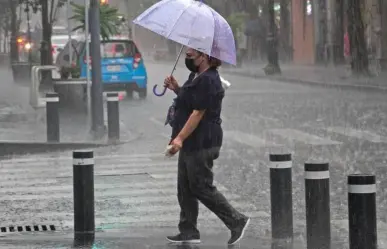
122	67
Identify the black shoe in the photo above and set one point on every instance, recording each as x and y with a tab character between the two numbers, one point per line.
238	232
182	238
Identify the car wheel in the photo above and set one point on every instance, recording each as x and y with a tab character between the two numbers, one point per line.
129	93
142	93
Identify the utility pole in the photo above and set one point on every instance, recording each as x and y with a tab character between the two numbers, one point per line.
97	126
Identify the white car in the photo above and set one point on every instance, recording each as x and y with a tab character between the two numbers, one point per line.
59	30
58	42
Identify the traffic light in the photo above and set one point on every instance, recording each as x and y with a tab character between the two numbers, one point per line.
103	2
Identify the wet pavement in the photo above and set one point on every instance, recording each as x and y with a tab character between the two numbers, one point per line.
136	186
20	122
147	239
328	76
336	76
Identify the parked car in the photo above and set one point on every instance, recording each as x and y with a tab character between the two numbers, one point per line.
122	65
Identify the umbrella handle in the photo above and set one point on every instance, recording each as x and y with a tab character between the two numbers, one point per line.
158	94
174	68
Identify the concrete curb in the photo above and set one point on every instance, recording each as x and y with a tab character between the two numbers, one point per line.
10	148
309	82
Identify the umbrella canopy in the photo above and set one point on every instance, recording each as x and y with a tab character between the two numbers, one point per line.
192	24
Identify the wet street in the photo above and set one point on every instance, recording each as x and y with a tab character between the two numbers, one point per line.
135	185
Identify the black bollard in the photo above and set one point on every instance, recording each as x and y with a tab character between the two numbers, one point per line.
362	211
113	116
281	196
52	117
317	200
83	184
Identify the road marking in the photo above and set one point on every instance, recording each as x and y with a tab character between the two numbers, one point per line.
97	172
359	134
165	136
143	194
37	195
161	219
156	121
261	118
67	186
302	137
50	166
248	139
122	170
66	161
171	208
69	158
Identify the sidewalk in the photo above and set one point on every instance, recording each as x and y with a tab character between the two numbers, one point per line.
135	204
147	239
326	76
23	128
339	76
135	238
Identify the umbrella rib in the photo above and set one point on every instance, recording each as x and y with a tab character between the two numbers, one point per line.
213	34
170	31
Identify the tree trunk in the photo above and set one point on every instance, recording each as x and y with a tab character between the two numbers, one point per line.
383	34
14	52
359	54
321	46
45	48
285	30
338	49
45	52
272	41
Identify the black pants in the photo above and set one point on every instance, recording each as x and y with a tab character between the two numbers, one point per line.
195	183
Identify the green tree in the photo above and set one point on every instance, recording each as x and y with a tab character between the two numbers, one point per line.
237	21
110	19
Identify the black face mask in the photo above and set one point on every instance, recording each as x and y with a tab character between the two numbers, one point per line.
190	64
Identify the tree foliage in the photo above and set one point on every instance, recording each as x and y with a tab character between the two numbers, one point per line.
36	6
109	19
236	21
136	7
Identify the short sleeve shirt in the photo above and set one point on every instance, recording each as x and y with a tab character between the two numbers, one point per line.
205	92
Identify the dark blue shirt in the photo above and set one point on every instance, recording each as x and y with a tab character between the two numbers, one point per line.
202	93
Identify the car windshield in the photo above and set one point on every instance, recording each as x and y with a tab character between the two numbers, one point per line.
118	49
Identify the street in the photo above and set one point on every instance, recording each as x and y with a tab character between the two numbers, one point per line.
135	186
